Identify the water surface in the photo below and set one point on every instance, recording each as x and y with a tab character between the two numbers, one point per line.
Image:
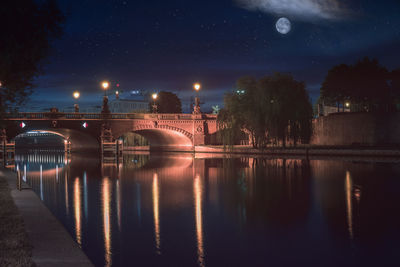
180	210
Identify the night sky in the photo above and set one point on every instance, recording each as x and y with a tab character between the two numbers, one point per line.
168	45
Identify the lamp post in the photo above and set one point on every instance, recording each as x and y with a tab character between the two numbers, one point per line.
105	108
76	95
196	109
105	86
154	96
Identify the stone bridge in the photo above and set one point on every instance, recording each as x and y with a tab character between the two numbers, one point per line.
174	132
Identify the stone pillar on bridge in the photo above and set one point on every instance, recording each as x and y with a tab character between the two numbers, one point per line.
198	130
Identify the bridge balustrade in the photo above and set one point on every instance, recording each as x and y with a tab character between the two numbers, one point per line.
96	116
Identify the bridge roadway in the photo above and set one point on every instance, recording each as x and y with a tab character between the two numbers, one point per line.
167	132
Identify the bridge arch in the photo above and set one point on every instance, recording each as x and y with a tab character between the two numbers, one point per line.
161	137
79	141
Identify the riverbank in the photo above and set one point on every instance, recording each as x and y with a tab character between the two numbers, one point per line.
51	243
304	150
307	150
15	247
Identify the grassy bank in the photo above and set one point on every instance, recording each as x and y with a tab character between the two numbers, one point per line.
15	248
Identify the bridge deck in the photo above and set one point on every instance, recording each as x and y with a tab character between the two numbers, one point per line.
99	116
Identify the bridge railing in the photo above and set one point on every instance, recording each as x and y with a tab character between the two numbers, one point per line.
98	116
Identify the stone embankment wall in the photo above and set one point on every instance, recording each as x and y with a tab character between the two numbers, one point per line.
342	129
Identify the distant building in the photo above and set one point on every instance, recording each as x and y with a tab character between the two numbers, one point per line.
134	101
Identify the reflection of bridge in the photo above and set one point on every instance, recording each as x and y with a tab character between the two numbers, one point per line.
164	131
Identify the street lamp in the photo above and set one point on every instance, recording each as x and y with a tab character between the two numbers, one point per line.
76	95
154	96
196	109
105	86
197	86
105	109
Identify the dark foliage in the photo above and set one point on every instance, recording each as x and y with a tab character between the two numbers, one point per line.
273	110
28	28
367	85
167	102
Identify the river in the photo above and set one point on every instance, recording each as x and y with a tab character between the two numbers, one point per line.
210	210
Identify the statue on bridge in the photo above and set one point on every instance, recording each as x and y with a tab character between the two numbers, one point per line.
105	109
196	109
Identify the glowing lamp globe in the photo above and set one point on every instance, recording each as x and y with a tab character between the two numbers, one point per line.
197	86
105	85
76	94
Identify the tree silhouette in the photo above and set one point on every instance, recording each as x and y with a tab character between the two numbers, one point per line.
28	28
395	87
365	84
273	109
167	102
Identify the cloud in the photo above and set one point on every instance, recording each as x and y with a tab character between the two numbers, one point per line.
300	9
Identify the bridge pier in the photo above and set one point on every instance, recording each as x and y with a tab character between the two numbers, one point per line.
111	149
198	130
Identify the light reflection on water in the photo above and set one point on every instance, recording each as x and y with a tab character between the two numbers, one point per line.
198	195
77	207
106	220
156	214
177	210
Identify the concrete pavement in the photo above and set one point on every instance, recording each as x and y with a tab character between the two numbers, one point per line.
52	244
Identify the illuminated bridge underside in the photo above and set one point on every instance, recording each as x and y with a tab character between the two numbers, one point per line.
79	141
162	139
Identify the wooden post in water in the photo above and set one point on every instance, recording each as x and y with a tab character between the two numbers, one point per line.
4	145
19	182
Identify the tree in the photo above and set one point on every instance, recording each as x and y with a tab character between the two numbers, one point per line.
365	84
167	102
395	87
273	109
28	28
336	88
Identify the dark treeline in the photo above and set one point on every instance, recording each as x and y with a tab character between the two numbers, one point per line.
365	86
28	29
271	110
167	102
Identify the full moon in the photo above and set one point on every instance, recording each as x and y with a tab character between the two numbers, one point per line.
283	25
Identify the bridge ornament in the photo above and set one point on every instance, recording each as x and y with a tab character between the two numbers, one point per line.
199	129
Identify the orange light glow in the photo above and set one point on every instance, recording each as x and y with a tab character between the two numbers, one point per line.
76	94
197	86
198	199
156	209
77	207
106	220
349	204
154	96
105	85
